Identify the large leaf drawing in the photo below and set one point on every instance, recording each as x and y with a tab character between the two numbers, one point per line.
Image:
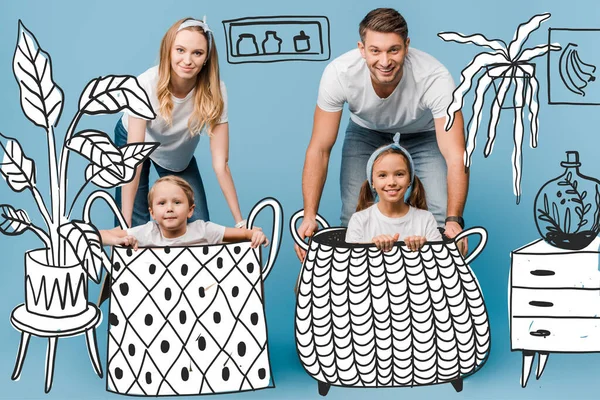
41	98
97	147
86	243
18	170
114	93
133	154
13	222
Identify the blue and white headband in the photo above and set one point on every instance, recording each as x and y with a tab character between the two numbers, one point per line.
394	145
202	24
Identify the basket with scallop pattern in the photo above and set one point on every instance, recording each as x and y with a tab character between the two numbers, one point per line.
400	318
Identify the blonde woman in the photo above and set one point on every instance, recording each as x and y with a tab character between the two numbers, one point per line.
189	99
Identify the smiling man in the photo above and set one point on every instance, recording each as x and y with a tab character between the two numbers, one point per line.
389	87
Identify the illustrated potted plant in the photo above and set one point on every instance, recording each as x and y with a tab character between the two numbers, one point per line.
510	71
56	274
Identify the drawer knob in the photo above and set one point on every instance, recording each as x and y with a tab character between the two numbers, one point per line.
540	333
541	303
542	272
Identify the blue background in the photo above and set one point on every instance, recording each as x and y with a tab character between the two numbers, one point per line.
270	115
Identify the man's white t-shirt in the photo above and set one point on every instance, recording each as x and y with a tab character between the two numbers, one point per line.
423	93
177	145
370	222
198	232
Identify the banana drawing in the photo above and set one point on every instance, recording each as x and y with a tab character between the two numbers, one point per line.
574	73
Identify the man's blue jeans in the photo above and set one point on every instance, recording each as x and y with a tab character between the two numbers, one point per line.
191	174
430	166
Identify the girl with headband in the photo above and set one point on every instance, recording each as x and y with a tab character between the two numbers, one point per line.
383	215
189	99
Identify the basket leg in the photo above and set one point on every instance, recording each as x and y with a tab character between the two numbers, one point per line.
324	388
457	384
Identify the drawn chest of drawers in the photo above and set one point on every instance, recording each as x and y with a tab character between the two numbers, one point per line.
554	302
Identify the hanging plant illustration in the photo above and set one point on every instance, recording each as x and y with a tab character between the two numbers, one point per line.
508	69
56	275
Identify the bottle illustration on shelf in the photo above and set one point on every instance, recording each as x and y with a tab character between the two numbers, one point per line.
275	39
271	44
302	42
246	45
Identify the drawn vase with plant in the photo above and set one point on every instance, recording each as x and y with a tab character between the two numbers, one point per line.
567	208
56	275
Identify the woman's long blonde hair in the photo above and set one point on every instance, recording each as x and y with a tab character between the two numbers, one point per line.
208	99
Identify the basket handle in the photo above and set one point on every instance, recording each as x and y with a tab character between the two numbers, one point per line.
300	214
481	232
277	229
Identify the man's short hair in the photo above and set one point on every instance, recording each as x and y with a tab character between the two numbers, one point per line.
385	20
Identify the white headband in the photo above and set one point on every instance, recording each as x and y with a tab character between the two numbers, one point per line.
202	24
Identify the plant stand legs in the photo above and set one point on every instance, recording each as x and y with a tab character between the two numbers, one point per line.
50	356
457	384
324	388
21	355
527	363
92	345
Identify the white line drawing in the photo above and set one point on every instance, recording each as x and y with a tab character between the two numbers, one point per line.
271	39
567	208
511	66
56	276
575	73
190	320
572	75
554	302
370	319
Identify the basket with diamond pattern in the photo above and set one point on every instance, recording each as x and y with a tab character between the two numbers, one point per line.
190	320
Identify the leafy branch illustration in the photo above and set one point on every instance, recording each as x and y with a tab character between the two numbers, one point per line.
578	198
511	65
596	224
110	166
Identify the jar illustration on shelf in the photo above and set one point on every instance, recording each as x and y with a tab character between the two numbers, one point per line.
271	44
301	42
567	208
246	45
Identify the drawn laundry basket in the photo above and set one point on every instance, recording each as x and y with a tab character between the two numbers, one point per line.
190	320
370	319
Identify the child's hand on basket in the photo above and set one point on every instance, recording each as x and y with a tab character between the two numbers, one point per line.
414	243
385	242
258	238
127	241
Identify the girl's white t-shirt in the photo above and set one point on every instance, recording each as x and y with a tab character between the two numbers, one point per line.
177	145
370	222
198	232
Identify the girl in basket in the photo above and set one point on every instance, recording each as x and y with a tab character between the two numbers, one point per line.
171	201
390	173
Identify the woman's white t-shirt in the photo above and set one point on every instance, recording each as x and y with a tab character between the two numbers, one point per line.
177	145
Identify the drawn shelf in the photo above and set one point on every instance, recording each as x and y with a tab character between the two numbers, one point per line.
554	302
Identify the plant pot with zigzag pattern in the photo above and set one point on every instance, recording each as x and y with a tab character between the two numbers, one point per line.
54	291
